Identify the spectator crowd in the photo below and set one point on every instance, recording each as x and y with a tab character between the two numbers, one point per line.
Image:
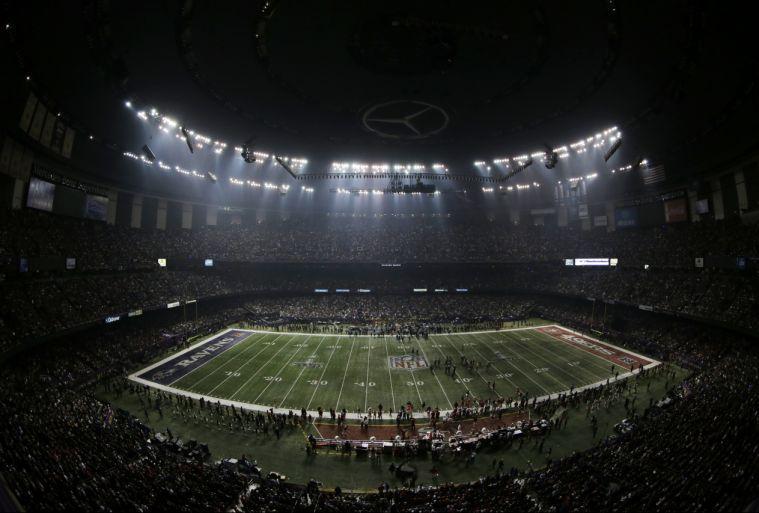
98	246
37	306
697	450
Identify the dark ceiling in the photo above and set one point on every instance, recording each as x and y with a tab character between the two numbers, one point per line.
331	79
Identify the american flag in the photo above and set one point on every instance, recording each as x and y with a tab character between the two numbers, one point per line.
652	175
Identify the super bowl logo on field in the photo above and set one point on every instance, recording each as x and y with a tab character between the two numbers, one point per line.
158	376
408	362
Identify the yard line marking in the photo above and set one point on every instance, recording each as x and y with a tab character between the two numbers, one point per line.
597	361
413	377
237	355
135	377
435	374
239	368
347	365
567	350
497	369
523	372
579	382
284	366
301	372
366	388
389	374
318	384
460	382
462	354
261	366
202	364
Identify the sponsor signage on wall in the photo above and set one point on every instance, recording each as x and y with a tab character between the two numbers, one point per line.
676	210
592	262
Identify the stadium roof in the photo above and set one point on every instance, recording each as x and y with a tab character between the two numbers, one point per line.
393	81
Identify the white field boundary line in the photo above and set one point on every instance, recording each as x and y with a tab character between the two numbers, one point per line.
182	352
359	416
651	365
560	345
232	359
241	367
491	331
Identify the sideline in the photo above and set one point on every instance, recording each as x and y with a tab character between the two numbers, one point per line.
359	416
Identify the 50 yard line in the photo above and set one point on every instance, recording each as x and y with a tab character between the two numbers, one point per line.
347	365
366	388
435	374
412	376
390	376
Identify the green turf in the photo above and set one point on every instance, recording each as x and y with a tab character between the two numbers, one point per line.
241	374
287	455
316	370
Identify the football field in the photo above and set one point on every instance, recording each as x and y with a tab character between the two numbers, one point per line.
259	370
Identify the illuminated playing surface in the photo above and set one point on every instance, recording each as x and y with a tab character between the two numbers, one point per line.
292	371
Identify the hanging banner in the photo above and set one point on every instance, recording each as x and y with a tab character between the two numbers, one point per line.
676	210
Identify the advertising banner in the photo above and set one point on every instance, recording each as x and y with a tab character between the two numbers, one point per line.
626	217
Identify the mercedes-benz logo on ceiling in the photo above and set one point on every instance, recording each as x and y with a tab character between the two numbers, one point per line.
405	119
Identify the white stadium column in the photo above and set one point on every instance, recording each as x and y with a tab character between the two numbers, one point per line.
740	189
692	205
719	206
160	219
611	220
186	216
562	216
211	215
113	201
136	211
18	193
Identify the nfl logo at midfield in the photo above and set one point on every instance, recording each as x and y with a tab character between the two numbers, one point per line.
407	362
